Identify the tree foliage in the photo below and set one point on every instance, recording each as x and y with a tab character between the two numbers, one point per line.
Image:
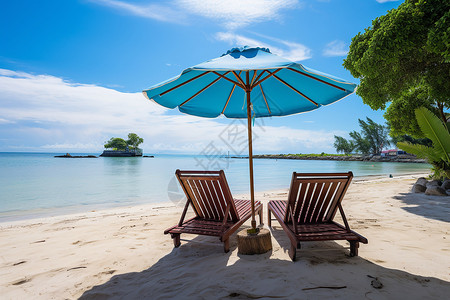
362	145
371	140
121	145
343	145
404	59
376	135
134	140
409	139
439	153
116	144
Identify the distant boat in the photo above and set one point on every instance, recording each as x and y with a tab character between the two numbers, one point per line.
126	153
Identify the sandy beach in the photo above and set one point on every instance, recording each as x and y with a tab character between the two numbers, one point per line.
122	253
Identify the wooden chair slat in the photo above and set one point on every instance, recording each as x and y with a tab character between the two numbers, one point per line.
191	193
228	197
199	197
316	198
314	202
220	198
209	196
326	203
320	202
208	200
292	198
334	203
216	202
307	200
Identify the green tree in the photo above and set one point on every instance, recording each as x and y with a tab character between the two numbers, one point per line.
343	145
439	153
404	59
362	145
409	139
371	140
134	140
116	144
375	134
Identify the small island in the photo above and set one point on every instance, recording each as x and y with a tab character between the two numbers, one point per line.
68	155
121	148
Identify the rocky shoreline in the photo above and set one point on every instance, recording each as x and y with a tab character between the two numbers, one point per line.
406	158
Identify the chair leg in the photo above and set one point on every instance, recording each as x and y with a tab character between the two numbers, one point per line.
261	216
269	217
176	239
354	245
226	245
293	251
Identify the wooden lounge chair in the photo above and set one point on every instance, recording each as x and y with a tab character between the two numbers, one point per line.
308	213
216	212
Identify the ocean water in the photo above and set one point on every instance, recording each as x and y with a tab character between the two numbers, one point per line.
37	184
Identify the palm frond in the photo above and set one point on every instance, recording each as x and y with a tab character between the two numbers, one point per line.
420	151
436	131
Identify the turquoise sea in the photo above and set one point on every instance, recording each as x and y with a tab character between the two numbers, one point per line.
37	184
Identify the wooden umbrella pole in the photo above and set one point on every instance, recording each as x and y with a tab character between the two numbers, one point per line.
250	149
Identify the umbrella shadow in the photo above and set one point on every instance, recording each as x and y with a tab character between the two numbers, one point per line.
433	207
200	270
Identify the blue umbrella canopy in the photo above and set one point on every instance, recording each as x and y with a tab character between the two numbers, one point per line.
277	86
249	83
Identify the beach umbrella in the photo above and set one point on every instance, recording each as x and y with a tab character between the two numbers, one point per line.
248	83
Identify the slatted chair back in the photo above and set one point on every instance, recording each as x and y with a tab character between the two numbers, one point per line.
315	197
209	194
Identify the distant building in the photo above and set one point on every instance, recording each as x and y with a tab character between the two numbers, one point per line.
392	152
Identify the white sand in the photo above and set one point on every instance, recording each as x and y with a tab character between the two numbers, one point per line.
122	253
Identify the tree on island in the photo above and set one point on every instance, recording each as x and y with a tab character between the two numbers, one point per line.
404	59
120	144
134	140
116	144
371	140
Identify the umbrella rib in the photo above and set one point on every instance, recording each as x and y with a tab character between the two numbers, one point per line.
253	78
199	92
181	84
295	90
239	78
312	77
265	100
232	81
268	76
259	76
229	97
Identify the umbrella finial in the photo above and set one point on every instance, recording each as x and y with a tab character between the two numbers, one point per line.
245	48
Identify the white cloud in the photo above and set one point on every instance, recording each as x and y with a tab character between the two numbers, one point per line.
238	13
47	113
335	48
290	50
384	1
230	13
157	12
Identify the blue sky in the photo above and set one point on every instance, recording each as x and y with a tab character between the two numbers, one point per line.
71	72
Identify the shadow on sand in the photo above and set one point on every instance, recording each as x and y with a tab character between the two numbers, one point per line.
200	270
425	205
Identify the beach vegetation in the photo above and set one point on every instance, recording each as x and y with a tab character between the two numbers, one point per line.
343	145
438	154
118	144
403	63
134	140
407	138
371	140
